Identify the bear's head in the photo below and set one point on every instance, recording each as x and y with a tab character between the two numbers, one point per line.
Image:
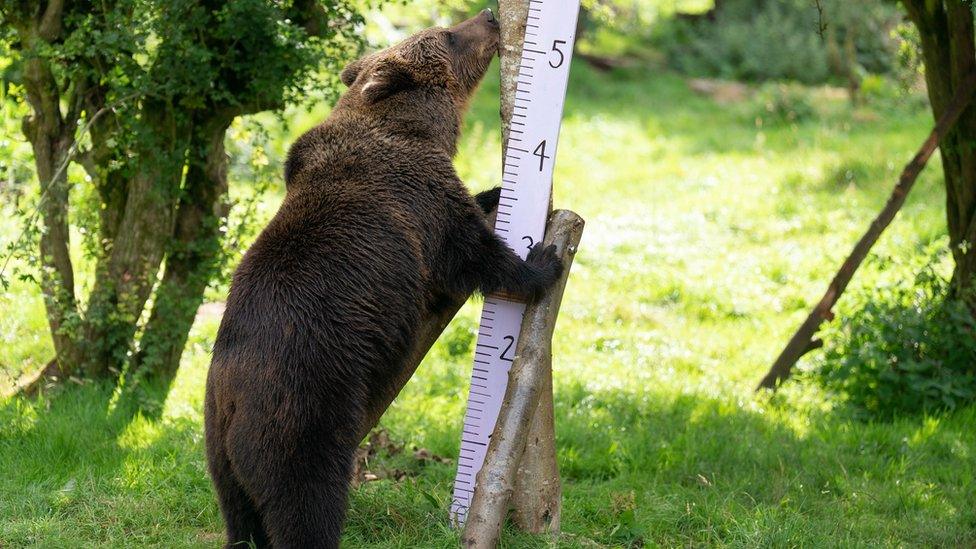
428	76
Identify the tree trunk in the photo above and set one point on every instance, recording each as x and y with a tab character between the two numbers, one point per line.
51	136
537	491
126	276
512	15
533	362
946	31
110	182
850	61
537	497
191	261
835	60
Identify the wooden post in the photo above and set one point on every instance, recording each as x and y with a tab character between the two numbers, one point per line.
802	341
537	498
527	377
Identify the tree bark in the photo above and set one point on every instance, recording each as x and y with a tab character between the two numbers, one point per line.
537	498
947	36
51	135
533	359
802	340
192	260
512	15
98	162
126	276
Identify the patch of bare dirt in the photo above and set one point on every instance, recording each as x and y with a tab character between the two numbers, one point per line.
367	468
721	91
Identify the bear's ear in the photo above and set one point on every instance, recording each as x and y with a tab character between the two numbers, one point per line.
386	79
349	74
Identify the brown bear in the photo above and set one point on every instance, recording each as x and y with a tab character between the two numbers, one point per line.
375	232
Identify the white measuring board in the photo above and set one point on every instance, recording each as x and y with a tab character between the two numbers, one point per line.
522	210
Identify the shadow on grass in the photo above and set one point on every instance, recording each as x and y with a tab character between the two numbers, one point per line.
649	467
78	470
637	466
693	468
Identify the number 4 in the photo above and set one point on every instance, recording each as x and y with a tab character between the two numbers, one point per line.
540	151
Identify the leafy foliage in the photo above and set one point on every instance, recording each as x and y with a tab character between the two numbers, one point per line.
780	39
903	348
783	103
153	87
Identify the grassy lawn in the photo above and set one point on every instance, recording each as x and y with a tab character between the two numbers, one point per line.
708	237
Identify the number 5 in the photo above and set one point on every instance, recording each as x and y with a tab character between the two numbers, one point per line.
555	48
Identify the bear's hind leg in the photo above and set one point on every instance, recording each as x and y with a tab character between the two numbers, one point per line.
241	517
302	512
300	487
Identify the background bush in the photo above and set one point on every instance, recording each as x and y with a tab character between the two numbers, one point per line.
782	103
902	348
783	40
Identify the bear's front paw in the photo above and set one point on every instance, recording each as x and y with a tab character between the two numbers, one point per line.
488	200
547	265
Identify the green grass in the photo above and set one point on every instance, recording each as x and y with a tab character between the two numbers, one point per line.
708	237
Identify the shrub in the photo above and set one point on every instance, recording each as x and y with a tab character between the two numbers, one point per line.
780	40
902	348
782	103
888	93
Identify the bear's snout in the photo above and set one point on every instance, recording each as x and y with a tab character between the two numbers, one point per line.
489	16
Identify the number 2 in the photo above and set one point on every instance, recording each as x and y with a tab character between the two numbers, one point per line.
511	342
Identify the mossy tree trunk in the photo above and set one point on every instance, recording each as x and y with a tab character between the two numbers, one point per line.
194	256
946	31
127	272
150	102
51	135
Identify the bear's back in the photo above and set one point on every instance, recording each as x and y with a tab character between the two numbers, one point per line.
342	270
337	273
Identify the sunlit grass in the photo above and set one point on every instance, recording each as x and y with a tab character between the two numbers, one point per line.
708	238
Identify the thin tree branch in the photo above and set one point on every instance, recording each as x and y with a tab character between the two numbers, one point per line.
801	340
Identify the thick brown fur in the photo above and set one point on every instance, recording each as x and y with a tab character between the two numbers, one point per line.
375	231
